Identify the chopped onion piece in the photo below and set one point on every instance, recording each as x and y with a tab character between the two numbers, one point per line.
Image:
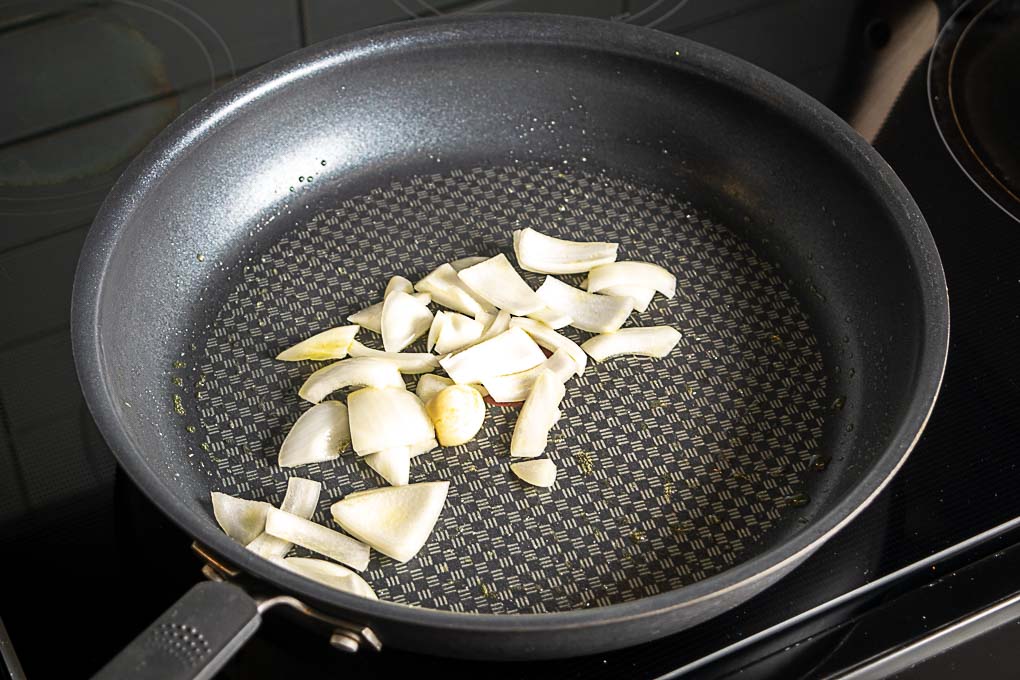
551	340
588	311
512	351
398	283
320	434
241	519
302	498
347	372
498	282
642	297
457	300
404	362
435	329
652	341
485	318
539	413
422	447
465	262
370	318
551	318
330	574
429	385
447	289
386	419
498	325
317	538
269	547
540	472
457	413
457	331
404	320
517	386
629	273
537	252
394	465
331	344
395	520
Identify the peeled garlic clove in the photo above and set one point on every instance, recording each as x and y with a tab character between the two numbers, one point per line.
404	362
404	320
512	351
456	332
642	297
301	499
551	318
320	434
551	340
539	413
457	413
331	344
496	281
652	341
317	538
537	252
241	519
393	465
386	419
465	262
447	289
429	385
395	520
370	318
629	273
540	472
330	574
398	283
357	371
588	311
517	386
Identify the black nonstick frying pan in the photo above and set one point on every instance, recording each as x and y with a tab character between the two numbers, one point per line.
812	306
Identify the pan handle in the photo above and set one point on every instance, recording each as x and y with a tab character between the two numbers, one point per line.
194	638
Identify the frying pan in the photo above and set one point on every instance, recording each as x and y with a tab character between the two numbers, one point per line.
812	308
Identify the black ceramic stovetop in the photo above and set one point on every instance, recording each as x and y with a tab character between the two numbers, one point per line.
88	562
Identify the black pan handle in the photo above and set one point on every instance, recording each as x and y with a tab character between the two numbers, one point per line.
192	639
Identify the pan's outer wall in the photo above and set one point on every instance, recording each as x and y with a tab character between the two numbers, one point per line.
892	239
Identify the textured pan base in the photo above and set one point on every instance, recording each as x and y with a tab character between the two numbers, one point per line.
670	470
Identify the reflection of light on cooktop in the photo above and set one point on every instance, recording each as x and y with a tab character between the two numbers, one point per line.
87	87
974	97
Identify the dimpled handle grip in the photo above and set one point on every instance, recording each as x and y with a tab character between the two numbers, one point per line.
192	639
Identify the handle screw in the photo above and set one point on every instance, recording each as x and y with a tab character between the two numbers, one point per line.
344	641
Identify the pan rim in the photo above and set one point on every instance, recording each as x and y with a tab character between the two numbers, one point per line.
574	32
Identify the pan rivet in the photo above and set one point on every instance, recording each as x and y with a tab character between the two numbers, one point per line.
344	641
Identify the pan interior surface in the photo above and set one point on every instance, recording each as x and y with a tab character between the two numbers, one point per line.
280	206
669	469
